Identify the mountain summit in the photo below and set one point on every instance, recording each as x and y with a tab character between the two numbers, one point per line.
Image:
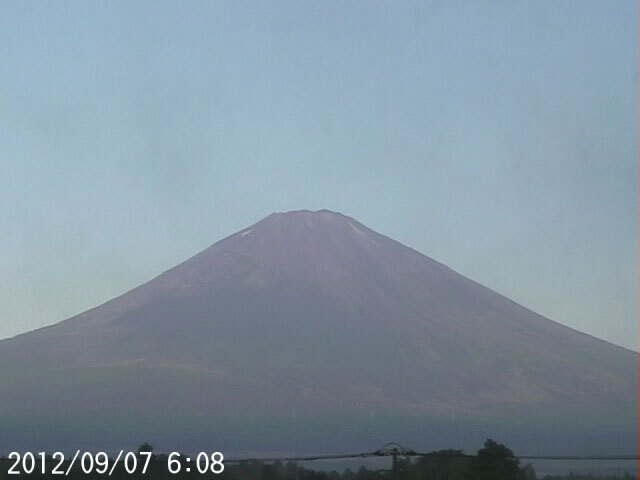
309	331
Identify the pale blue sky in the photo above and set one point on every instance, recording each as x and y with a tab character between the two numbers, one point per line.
499	138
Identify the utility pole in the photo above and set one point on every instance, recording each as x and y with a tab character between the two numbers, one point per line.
394	465
393	450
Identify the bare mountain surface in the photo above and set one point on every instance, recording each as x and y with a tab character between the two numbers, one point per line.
308	331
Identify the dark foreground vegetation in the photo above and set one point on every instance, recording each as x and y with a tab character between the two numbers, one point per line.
492	462
573	476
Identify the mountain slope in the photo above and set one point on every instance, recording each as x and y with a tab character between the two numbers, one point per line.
309	324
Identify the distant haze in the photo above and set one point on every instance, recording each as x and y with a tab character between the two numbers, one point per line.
499	138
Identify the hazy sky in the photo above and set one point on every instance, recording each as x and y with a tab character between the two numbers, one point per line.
499	138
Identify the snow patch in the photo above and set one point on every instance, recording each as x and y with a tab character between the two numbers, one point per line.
357	230
246	232
363	234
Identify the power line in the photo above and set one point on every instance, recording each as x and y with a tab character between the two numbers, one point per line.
300	459
394	450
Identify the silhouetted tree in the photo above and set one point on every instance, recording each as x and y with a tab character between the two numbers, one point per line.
495	462
441	465
145	447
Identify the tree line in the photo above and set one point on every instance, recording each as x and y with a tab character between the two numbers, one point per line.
493	461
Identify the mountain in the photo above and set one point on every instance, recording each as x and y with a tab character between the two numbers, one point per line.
308	331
